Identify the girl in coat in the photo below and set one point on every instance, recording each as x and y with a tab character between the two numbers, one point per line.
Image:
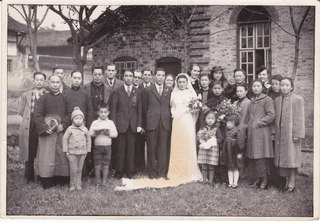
289	129
209	137
232	149
259	148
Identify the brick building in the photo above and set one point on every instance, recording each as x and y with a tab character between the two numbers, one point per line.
229	36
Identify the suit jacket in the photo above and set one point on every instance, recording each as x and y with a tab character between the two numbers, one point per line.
116	84
126	111
157	108
106	99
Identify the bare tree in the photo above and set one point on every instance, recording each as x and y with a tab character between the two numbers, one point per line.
30	15
297	32
85	30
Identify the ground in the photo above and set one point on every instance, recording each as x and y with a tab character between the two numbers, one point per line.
194	199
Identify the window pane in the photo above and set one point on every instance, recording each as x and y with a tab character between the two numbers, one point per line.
250	79
243	31
266	41
250	30
250	56
259	29
259	42
243	43
266	29
243	57
250	42
250	68
244	67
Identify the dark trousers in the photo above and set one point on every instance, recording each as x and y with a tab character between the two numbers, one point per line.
140	152
33	147
158	151
125	152
88	165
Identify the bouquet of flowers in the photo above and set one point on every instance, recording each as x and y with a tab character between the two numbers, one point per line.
206	137
195	104
226	108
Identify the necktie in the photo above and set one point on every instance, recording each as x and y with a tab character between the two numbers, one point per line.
110	82
128	90
160	90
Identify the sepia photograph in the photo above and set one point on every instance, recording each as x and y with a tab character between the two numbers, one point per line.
159	110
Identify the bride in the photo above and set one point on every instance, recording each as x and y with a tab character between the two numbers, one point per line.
183	167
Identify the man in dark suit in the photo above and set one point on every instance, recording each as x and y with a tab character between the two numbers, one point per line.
146	78
156	102
99	93
126	111
110	77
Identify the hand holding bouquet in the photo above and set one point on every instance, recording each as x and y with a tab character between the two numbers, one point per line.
195	104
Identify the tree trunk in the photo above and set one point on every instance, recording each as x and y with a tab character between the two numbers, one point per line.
33	47
296	57
186	46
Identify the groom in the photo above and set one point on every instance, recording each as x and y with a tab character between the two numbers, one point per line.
156	105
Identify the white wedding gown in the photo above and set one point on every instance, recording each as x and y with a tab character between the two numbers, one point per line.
183	167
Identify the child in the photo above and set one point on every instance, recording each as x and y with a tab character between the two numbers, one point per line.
28	136
232	149
209	138
274	91
103	130
290	129
76	144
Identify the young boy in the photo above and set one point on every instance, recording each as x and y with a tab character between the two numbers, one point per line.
76	144
28	136
103	130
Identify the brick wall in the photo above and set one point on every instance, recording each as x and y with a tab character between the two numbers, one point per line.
215	43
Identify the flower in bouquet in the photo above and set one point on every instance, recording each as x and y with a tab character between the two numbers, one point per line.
195	104
205	134
226	108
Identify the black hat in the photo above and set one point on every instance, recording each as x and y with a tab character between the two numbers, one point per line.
216	68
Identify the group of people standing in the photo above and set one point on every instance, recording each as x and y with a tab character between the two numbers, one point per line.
106	123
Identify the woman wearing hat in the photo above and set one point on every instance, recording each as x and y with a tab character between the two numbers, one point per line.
218	75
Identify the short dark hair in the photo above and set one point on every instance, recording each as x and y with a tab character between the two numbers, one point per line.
217	82
290	80
208	112
160	69
241	70
74	72
257	80
147	69
203	75
233	118
39	73
277	77
191	67
97	67
244	85
55	68
103	105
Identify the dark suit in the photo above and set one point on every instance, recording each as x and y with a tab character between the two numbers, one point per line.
107	92
116	83
158	126
126	112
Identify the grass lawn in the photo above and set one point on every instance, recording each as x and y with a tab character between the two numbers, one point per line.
194	199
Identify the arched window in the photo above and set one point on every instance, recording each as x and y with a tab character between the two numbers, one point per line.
170	64
124	63
254	40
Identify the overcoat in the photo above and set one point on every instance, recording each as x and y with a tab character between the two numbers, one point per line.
289	124
24	128
243	105
261	115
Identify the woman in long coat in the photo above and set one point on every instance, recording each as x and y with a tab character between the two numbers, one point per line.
289	129
259	148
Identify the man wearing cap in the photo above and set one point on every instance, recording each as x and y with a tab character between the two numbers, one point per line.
52	117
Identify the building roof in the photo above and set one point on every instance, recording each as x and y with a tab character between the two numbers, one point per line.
16	26
49	38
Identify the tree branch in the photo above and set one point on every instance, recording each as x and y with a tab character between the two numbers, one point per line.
292	20
303	19
44	16
24	18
